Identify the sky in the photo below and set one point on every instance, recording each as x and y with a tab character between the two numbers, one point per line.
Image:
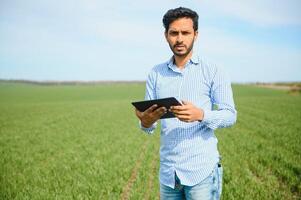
117	40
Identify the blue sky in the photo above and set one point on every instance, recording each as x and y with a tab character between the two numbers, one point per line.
122	40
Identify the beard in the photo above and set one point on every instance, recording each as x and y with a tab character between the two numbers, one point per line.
182	53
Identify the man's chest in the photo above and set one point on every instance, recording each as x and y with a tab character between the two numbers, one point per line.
188	86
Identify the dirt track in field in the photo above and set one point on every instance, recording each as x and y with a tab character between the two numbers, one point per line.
151	177
127	188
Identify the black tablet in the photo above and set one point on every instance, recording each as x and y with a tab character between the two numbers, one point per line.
166	102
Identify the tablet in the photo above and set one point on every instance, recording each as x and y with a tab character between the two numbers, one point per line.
166	102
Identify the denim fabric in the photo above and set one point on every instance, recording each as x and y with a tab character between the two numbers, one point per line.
208	189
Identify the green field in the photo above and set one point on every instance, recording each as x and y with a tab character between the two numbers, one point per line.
83	142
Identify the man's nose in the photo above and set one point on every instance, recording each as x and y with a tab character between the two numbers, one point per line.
180	38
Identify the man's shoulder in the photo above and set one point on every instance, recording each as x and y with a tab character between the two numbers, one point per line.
159	67
212	70
207	65
208	68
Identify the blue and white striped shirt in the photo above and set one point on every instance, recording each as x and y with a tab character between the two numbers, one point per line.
190	149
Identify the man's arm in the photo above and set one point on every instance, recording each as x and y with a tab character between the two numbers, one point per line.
221	96
148	119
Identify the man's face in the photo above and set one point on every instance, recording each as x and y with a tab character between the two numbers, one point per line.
181	36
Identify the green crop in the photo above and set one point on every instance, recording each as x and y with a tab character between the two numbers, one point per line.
83	142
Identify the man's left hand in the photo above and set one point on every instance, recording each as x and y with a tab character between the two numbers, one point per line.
187	112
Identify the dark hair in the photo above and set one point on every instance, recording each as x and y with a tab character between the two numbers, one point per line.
181	12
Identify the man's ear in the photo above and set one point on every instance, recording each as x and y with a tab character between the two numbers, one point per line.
165	34
196	34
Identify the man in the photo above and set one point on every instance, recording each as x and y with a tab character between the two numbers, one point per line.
189	160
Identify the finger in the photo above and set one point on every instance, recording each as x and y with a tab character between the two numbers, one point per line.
184	117
181	112
160	111
151	109
157	114
178	108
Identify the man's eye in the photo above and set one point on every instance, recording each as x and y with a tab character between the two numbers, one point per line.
186	33
173	33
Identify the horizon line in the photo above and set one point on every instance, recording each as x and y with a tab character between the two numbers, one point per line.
73	82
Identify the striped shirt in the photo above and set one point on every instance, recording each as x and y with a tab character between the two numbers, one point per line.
190	149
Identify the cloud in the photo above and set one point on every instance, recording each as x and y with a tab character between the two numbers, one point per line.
259	12
246	60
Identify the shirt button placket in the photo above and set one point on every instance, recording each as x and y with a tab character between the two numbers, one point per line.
180	78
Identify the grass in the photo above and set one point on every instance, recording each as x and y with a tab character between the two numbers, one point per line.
83	142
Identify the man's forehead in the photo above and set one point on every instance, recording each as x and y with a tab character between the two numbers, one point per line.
181	24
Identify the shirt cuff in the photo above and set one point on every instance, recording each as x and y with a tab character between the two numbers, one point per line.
149	130
208	116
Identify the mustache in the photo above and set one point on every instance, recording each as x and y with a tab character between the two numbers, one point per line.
179	44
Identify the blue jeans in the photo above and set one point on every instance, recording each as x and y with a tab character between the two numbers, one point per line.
209	189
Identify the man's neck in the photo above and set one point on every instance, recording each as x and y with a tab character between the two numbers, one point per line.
181	61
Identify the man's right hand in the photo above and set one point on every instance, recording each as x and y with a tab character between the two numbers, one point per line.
151	115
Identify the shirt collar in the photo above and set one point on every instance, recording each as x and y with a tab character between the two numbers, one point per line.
193	60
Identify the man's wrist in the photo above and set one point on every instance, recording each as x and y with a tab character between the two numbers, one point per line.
201	116
146	125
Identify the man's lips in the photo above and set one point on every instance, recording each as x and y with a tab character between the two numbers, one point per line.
179	46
